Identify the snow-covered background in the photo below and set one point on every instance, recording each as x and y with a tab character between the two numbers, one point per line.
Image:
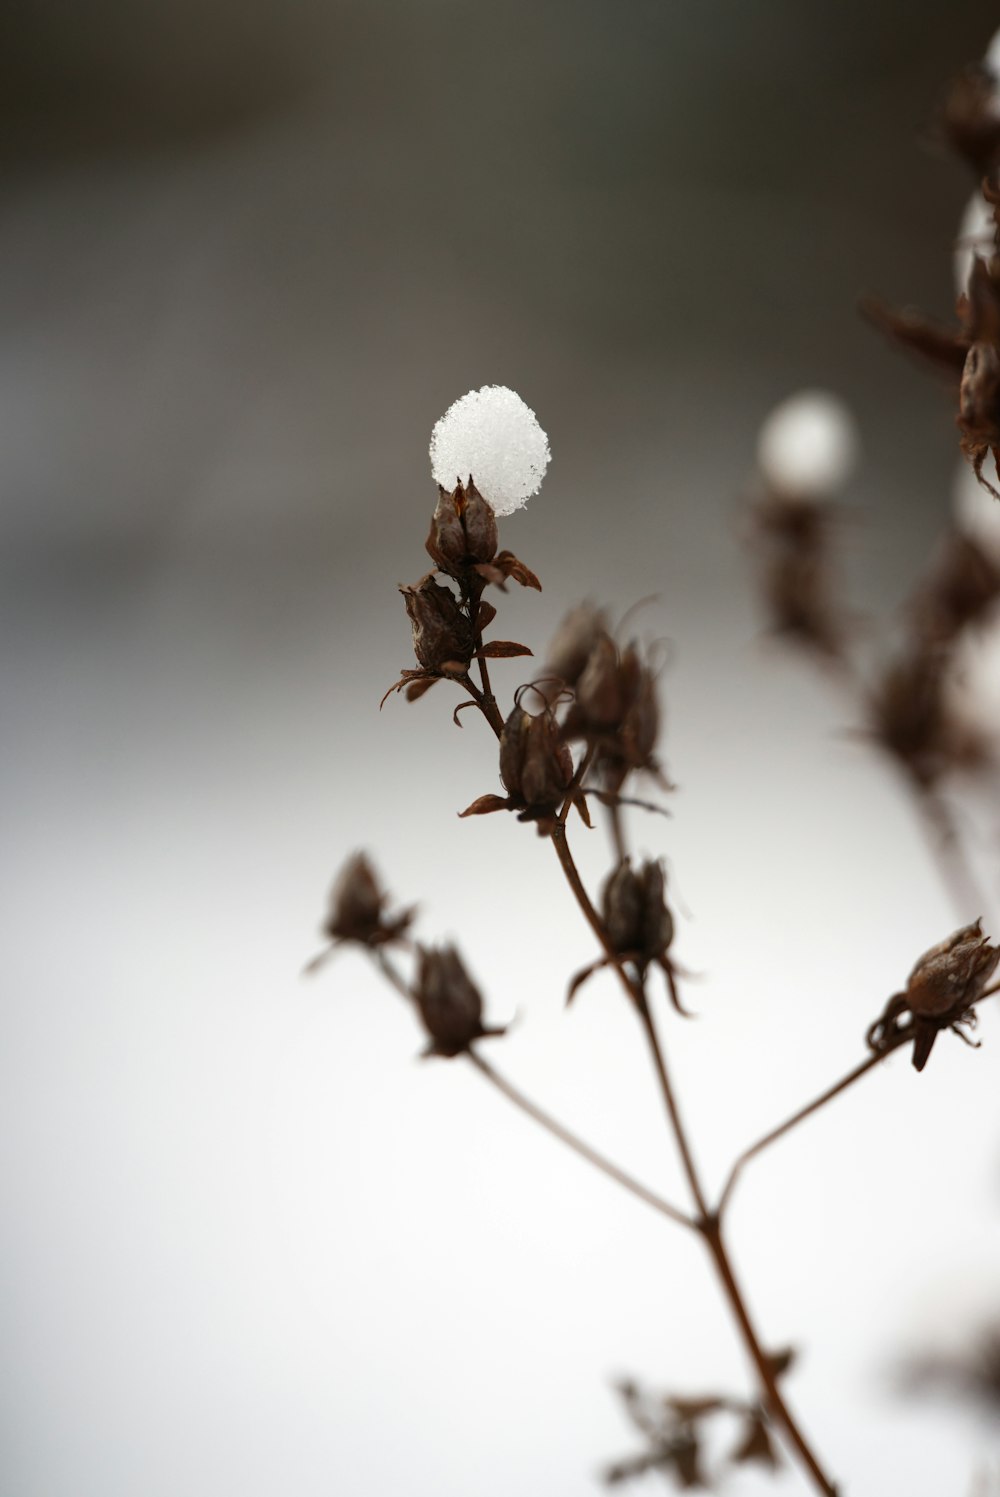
248	256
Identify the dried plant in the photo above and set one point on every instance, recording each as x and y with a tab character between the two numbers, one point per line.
584	731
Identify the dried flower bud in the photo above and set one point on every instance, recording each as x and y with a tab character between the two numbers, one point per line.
635	912
616	711
941	993
969	119
463	530
793	540
443	638
575	640
951	975
961	588
450	1004
357	907
535	765
908	717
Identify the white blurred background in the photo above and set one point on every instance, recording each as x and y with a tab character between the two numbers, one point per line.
248	256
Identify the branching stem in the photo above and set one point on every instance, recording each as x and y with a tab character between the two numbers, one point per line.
708	1225
544	1119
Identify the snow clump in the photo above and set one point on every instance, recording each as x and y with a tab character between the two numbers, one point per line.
491	436
808	446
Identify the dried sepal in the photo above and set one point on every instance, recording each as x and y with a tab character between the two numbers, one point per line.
941	993
504	567
972	351
943	348
450	1004
755	1444
485	804
501	649
416	689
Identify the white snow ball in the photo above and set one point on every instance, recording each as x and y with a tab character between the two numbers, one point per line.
492	436
975	237
977	513
808	445
991	57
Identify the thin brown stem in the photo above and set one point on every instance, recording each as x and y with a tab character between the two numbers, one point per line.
615	821
488	702
798	1117
673	1110
707	1225
545	1120
764	1365
536	1113
487	706
887	1048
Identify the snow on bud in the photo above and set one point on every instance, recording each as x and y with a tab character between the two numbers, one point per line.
808	446
976	229
493	437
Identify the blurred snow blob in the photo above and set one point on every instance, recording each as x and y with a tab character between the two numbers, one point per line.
977	513
808	445
991	57
492	436
975	237
972	685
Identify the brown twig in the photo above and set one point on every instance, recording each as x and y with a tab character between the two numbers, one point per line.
536	1113
708	1225
544	1119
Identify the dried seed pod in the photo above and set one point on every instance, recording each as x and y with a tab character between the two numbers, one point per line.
941	993
639	925
463	530
535	765
358	907
443	638
951	975
450	1004
968	119
616	711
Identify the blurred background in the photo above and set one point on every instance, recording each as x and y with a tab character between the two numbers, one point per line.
249	254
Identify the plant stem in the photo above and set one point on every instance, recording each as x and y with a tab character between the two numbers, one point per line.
545	1119
708	1225
968	898
773	1399
584	1150
800	1116
485	703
